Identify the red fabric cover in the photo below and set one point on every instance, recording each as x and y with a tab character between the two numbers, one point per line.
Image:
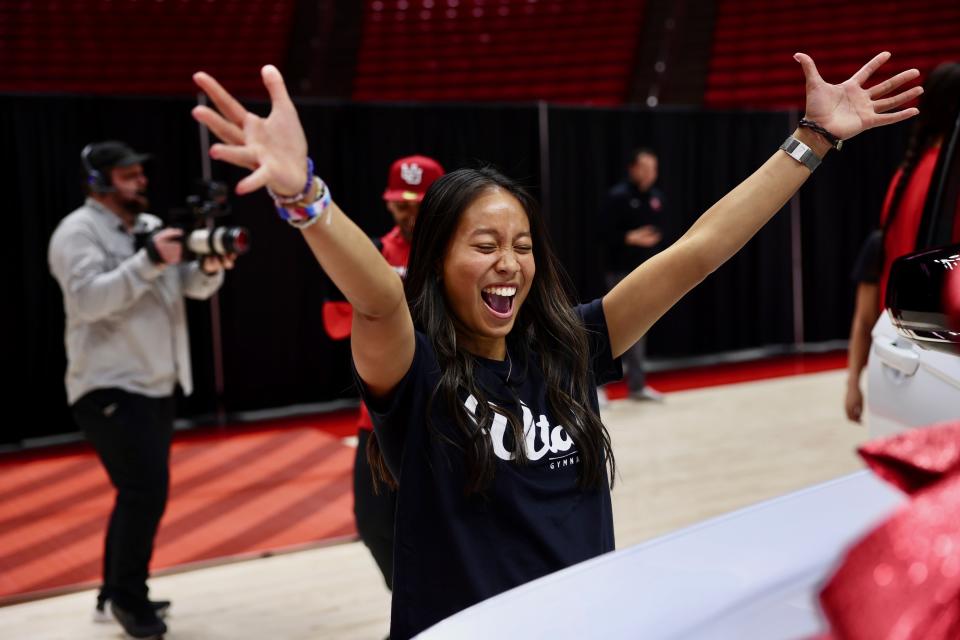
903	579
916	459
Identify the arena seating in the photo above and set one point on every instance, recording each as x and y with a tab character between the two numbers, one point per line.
576	51
754	41
579	51
138	46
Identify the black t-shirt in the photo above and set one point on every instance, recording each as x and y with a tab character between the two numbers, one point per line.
452	550
869	261
624	209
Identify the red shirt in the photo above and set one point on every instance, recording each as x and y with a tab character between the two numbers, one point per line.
396	249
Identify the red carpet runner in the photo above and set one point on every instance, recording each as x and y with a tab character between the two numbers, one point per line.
233	492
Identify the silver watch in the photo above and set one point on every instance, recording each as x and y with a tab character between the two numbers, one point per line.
801	153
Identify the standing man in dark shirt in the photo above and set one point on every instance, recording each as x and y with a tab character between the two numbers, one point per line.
632	215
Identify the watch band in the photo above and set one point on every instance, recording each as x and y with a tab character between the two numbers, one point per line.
801	153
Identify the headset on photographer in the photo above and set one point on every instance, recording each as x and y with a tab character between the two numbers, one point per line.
96	181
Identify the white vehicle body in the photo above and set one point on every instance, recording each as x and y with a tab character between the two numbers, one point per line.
908	386
752	573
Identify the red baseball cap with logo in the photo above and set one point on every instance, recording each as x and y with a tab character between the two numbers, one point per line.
410	177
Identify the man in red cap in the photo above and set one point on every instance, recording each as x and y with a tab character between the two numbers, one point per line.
407	182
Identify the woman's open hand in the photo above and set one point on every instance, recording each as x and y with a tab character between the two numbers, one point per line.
849	108
273	148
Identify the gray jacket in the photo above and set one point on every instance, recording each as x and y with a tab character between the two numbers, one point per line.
126	323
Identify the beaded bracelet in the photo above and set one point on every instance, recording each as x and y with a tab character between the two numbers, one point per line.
303	215
281	200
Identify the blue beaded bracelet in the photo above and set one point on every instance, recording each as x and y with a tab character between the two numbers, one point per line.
281	200
304	215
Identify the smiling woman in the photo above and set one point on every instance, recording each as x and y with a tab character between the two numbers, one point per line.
488	261
498	300
479	372
490	258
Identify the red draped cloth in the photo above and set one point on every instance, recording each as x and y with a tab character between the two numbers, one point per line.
902	581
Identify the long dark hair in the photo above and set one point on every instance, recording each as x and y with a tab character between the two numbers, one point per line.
939	106
546	322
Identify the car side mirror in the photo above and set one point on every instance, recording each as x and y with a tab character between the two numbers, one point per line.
916	298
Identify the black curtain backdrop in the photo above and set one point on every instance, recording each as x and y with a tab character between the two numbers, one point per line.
841	205
746	303
272	302
275	350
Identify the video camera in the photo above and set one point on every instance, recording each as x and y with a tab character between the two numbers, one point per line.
201	236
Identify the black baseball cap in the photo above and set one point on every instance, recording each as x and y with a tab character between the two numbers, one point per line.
108	154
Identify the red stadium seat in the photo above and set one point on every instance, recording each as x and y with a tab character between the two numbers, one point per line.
131	47
496	50
754	41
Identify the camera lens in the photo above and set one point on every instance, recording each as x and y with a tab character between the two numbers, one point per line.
219	241
231	240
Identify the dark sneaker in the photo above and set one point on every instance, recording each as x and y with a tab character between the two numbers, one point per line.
602	400
103	614
647	394
143	625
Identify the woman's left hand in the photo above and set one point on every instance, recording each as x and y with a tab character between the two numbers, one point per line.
273	148
849	108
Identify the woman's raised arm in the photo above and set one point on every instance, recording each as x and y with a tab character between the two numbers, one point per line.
843	110
275	150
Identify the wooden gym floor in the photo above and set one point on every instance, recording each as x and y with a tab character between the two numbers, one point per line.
701	453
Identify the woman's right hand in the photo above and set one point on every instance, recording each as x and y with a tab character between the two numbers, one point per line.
273	148
848	108
853	403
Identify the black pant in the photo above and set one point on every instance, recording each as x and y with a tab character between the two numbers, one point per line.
131	433
633	357
374	513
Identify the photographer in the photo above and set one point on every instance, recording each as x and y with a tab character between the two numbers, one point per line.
127	349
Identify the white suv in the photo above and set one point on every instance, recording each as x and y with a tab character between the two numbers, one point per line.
913	374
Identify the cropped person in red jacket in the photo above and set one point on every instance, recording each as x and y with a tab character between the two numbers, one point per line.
374	506
899	218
